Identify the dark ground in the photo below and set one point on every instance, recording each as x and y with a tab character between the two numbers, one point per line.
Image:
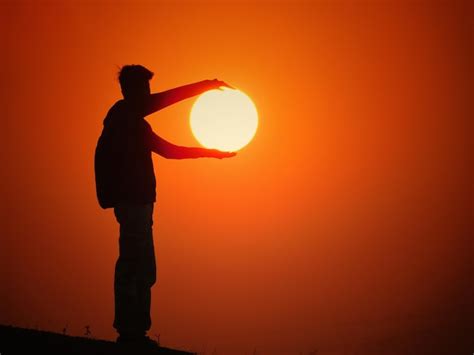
452	341
28	341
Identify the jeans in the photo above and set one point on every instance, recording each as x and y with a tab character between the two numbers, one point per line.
135	270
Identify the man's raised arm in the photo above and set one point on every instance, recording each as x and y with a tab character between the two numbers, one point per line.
166	98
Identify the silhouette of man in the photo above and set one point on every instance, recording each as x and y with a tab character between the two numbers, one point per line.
125	181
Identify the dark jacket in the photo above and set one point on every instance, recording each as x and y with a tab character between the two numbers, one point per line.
123	164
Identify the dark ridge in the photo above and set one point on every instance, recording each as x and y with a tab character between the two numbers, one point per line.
15	340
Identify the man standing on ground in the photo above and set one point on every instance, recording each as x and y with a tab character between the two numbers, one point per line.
125	181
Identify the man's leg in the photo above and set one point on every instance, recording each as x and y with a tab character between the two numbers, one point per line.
135	270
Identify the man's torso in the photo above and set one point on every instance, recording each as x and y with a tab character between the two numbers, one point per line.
123	164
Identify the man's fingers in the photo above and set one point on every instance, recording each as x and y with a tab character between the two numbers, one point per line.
219	154
223	155
227	85
220	83
229	154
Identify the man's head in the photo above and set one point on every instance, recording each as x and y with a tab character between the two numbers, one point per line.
135	81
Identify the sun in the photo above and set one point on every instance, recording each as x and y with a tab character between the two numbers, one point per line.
224	119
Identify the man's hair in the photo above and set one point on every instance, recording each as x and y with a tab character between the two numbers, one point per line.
131	75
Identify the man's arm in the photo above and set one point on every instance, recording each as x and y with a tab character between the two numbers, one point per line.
166	98
171	151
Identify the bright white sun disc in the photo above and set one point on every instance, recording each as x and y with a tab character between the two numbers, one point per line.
224	119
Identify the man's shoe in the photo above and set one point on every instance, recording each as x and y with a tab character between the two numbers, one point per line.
149	343
137	342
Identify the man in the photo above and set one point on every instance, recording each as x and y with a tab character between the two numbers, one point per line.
125	181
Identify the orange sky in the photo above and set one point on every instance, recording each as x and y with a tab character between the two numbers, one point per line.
348	218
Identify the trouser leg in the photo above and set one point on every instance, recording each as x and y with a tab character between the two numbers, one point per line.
135	269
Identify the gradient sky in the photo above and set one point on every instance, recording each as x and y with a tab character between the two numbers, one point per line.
348	218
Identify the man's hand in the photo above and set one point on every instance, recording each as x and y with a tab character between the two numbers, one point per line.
214	153
218	84
172	151
163	99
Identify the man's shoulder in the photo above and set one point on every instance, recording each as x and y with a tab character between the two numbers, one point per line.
117	108
116	113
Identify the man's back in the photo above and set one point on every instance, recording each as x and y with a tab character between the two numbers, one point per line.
123	164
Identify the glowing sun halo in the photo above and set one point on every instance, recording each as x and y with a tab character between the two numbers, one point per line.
224	119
